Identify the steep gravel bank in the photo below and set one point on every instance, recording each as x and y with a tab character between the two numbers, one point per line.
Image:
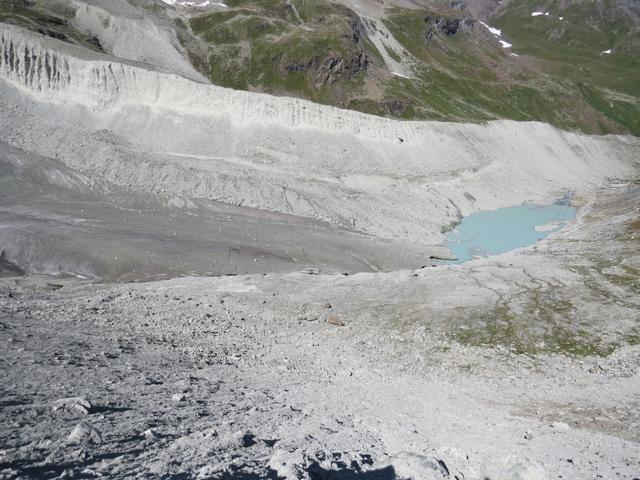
55	221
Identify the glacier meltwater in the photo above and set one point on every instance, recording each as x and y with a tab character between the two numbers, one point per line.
498	231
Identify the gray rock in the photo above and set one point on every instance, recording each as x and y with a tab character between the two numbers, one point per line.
334	320
84	433
78	405
311	271
179	397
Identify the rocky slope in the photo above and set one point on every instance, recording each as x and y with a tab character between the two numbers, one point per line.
245	377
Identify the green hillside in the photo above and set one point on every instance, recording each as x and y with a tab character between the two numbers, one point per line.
459	71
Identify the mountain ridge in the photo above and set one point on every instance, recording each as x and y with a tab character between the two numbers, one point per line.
423	60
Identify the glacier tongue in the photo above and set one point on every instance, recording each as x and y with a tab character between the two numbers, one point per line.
157	131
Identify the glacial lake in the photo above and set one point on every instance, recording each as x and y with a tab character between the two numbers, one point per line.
483	234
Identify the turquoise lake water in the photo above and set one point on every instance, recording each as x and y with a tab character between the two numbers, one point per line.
483	234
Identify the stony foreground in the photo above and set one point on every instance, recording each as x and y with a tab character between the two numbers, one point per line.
524	366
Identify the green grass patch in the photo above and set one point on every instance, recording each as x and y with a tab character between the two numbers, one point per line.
546	326
308	49
624	113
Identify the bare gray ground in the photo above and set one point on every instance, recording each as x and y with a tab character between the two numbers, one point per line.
244	377
58	222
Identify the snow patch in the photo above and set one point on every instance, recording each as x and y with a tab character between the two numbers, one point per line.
549	227
607	52
400	75
496	31
194	3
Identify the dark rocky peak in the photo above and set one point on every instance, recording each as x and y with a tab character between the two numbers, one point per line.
446	25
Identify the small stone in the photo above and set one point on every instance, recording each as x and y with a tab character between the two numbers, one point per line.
334	320
183	386
311	271
248	440
179	397
327	305
80	455
528	435
150	435
84	433
67	473
596	369
289	465
73	405
560	426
